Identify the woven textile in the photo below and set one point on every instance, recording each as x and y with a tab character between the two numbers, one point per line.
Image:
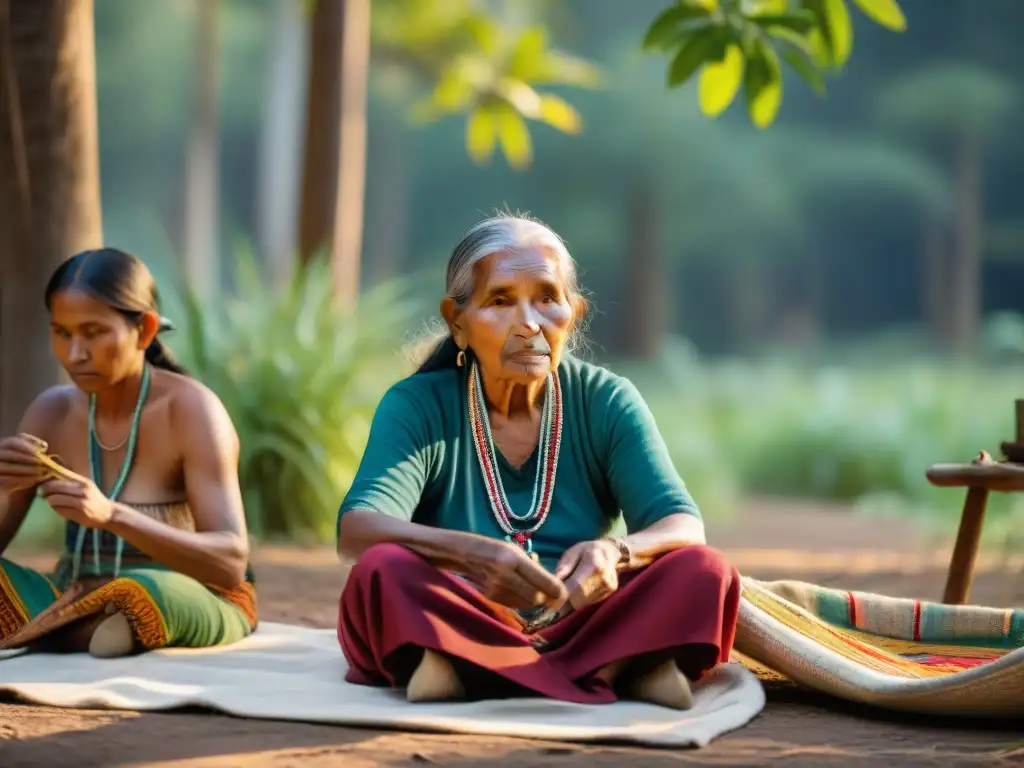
892	652
163	608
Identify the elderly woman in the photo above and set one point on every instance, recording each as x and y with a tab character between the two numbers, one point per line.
484	514
156	546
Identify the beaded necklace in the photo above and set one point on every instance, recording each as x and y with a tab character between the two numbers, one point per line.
96	467
516	527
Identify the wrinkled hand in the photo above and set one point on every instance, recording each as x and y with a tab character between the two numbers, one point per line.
79	501
20	470
505	574
589	572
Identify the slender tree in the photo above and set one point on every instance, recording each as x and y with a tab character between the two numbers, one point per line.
49	178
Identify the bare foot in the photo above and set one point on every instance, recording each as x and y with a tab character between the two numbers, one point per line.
112	638
664	685
609	673
434	680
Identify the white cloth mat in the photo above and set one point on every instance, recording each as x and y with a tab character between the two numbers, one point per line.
285	672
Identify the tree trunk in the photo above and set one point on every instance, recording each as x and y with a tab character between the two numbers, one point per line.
387	198
281	149
965	273
935	284
49	179
202	188
748	285
645	306
334	171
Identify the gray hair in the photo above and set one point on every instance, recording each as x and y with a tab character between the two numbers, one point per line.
500	233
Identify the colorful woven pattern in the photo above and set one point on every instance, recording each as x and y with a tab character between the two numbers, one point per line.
894	652
163	607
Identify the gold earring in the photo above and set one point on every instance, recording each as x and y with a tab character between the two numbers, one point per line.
460	359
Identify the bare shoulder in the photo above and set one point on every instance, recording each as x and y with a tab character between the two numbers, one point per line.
48	411
197	414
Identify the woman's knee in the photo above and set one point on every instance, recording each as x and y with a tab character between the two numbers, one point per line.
387	562
697	558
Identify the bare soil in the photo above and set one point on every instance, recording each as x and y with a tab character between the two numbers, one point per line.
797	728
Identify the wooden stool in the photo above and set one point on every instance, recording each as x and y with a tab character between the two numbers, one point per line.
979	478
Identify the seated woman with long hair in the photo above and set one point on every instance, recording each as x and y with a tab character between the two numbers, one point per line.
517	524
141	461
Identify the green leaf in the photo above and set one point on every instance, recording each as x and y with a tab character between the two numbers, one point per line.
453	92
836	28
481	134
523	99
528	54
806	69
887	13
515	138
820	54
706	45
794	39
559	114
841	27
719	82
484	31
668	24
762	82
800	21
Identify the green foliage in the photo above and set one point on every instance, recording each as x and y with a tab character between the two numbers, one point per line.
744	42
948	101
300	381
860	432
481	66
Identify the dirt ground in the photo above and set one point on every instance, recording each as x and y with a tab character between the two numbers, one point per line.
797	728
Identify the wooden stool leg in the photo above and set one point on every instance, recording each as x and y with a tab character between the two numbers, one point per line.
965	551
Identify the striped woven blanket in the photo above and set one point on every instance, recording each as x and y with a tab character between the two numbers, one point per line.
892	652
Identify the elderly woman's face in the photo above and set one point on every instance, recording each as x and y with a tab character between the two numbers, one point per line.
519	317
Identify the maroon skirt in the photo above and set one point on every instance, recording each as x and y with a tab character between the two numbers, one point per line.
396	604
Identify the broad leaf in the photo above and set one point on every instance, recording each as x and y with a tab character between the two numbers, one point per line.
719	82
528	54
794	39
484	32
806	69
453	91
885	12
762	83
515	138
559	114
840	30
481	133
705	45
521	96
668	25
800	21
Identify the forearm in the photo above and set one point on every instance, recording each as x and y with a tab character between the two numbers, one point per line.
218	558
667	535
361	529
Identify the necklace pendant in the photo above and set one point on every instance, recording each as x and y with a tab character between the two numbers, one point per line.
524	540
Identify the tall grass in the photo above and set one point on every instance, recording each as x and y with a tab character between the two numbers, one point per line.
301	380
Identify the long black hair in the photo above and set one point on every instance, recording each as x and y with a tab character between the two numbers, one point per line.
122	282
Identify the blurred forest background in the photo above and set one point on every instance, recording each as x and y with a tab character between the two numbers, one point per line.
817	308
